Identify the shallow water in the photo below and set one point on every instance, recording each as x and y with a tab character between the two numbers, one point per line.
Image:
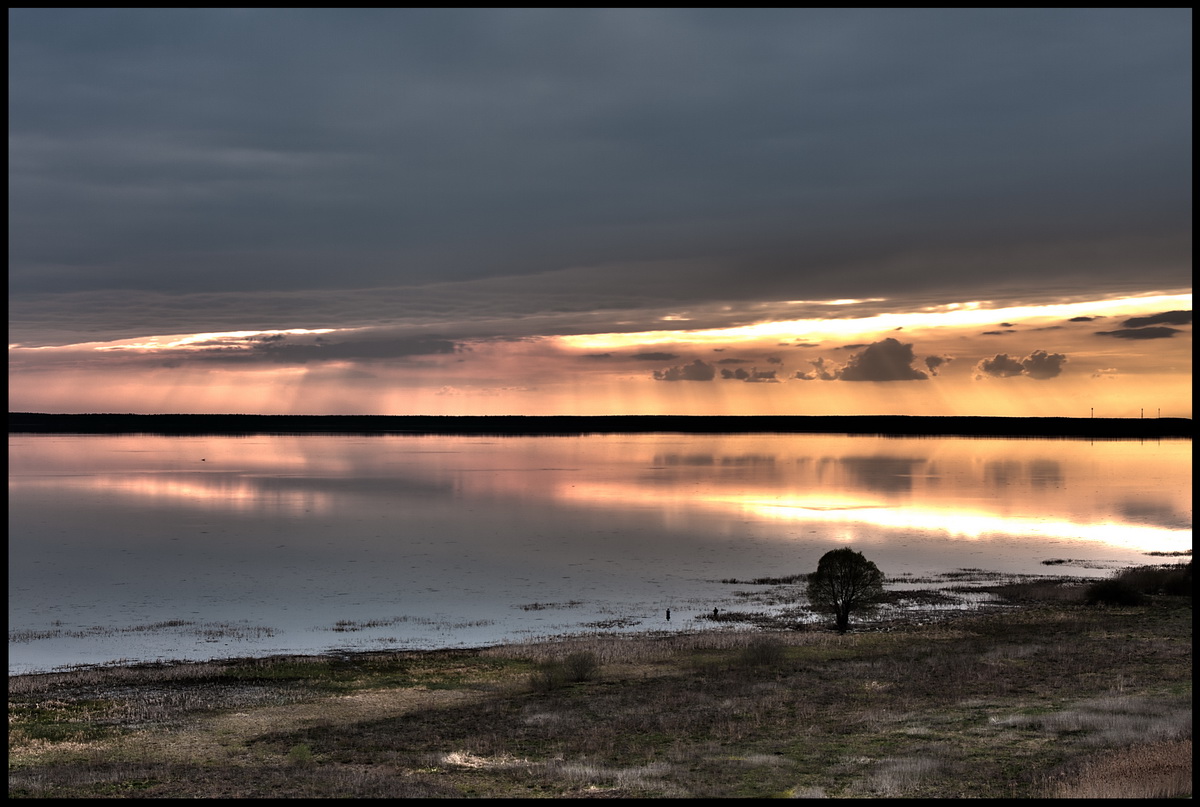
142	547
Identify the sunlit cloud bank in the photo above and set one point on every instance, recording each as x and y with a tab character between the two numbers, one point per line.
656	299
600	210
948	352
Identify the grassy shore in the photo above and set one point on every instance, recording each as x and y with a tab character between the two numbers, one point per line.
1051	697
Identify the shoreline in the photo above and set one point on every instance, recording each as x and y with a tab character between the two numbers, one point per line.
550	425
901	610
937	600
738	624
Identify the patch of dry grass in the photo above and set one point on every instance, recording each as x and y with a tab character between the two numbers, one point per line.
1158	770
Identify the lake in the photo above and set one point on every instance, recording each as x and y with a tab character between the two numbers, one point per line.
144	547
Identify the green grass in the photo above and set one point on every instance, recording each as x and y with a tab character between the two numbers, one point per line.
1026	704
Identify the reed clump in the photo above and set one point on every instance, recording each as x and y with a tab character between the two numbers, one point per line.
1132	586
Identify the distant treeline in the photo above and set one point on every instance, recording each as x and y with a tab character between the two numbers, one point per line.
32	422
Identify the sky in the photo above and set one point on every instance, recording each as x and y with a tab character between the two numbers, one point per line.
601	211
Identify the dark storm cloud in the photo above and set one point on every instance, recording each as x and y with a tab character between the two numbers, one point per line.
751	376
886	360
1000	366
1166	317
889	360
1141	333
297	167
934	362
1039	364
275	348
696	371
822	370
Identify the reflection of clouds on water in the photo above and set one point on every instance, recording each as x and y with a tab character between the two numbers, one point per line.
884	474
460	534
1002	473
226	492
1045	473
1037	473
715	460
1158	513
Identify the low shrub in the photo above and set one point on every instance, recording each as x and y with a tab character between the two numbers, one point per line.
300	754
1113	591
764	651
581	665
549	675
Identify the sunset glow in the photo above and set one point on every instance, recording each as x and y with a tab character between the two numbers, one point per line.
943	360
954	315
198	341
649	223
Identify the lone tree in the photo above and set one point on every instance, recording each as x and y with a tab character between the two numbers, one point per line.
843	582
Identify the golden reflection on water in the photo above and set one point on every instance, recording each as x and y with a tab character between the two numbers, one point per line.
301	531
213	492
1128	494
1131	495
955	522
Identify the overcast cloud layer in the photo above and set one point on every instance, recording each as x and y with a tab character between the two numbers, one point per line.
475	173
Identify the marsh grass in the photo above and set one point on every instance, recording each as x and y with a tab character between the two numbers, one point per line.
205	631
1045	591
1155	770
354	625
1048	699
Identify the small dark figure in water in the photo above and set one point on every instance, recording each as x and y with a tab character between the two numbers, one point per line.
714	613
668	614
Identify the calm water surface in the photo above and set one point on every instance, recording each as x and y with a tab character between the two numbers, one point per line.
145	547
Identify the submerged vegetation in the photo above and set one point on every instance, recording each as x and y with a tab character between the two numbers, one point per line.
1051	697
